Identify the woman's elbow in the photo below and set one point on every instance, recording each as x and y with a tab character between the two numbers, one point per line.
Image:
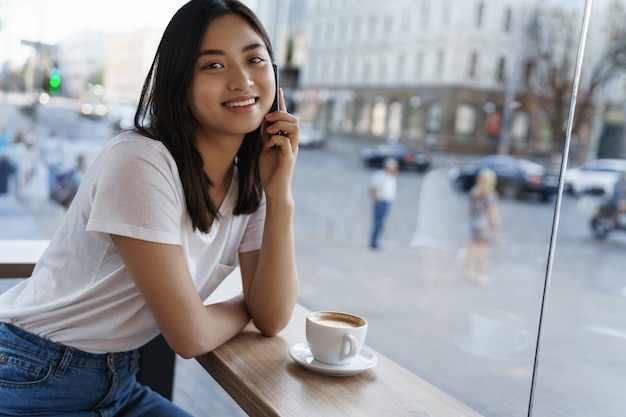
188	347
188	351
270	329
273	325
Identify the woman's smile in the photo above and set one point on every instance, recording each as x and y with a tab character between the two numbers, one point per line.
241	103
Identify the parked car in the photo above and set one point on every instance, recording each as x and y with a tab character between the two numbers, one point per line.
311	136
407	159
516	177
597	176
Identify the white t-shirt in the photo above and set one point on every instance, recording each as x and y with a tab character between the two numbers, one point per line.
385	185
80	293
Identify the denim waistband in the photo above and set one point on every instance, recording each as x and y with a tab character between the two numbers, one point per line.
46	349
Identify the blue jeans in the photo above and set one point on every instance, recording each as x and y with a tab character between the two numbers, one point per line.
380	211
39	377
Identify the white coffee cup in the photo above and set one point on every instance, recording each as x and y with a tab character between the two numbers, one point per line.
498	332
335	338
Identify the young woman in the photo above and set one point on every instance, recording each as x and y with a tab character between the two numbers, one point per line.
200	185
484	222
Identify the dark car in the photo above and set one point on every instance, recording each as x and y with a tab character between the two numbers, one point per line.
516	177
407	158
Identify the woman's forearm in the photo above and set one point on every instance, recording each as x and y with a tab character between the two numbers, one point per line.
274	289
222	322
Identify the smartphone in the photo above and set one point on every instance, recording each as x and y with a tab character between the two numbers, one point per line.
275	104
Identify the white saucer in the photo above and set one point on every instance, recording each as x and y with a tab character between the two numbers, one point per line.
468	344
303	356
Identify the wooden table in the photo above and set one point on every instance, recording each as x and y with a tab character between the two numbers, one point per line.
258	373
18	257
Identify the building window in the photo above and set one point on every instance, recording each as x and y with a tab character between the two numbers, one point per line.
507	20
400	68
480	10
367	68
330	31
445	13
394	123
419	65
379	116
425	14
472	64
501	70
337	70
356	28
342	31
362	116
388	24
441	56
372	25
465	120
520	126
383	64
413	117
434	116
407	20
348	116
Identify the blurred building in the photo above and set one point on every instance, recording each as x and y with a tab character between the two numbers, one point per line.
456	70
80	59
126	63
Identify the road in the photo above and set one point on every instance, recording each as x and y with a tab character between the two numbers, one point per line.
419	307
412	291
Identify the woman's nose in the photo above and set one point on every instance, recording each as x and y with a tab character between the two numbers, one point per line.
240	79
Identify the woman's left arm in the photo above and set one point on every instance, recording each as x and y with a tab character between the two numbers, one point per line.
270	276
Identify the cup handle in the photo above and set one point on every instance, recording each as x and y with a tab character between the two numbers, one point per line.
350	347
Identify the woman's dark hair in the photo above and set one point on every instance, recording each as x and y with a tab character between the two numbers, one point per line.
163	112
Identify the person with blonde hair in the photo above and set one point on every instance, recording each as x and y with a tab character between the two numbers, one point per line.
484	223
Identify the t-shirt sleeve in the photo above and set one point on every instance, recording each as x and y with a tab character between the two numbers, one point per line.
137	194
253	235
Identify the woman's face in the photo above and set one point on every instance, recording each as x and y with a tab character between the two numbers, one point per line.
233	83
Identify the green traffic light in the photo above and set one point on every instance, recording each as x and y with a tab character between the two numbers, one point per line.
55	78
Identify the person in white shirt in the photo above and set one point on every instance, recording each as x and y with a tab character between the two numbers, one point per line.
383	187
199	186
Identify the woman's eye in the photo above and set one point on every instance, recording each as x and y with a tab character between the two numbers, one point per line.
213	65
256	60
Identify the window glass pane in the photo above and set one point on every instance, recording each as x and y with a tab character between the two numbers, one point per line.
478	341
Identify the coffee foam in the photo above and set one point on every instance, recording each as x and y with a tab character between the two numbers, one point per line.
336	319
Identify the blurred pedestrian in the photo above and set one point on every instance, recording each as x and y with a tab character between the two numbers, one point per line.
22	156
6	170
4	140
167	210
52	153
383	188
618	198
484	223
68	182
